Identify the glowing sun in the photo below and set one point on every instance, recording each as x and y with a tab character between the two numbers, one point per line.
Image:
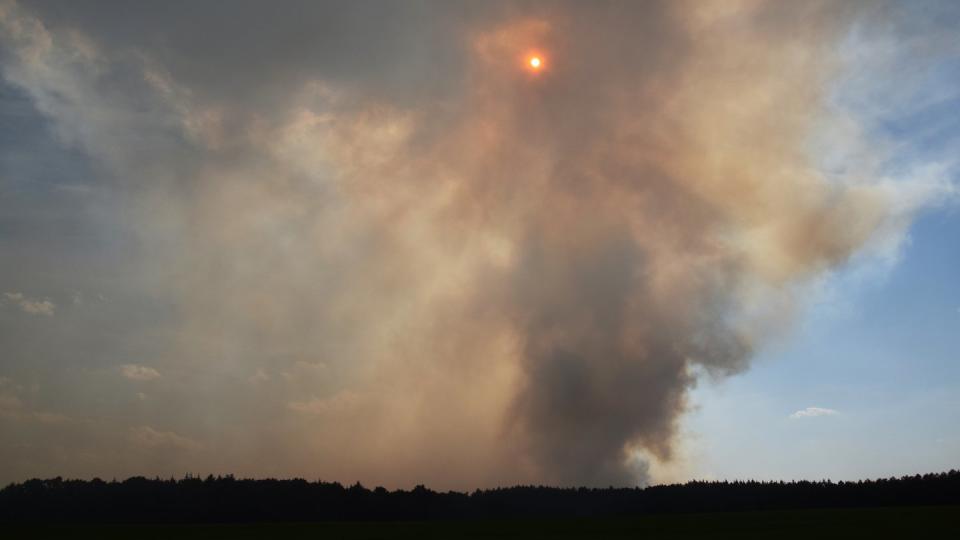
535	62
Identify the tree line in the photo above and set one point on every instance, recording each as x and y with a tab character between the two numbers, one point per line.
220	499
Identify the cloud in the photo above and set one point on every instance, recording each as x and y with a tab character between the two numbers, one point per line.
31	305
13	407
813	412
10	403
340	403
259	376
150	438
136	372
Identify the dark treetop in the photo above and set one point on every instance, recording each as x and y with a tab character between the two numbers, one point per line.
227	499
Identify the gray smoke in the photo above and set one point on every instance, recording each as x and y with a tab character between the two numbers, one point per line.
396	254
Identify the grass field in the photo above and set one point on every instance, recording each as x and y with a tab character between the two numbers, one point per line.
917	522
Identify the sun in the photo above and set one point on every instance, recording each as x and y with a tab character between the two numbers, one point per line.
534	61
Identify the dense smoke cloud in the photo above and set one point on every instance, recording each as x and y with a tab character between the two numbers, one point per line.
396	255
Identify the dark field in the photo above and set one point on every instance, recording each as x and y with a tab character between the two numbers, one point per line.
915	522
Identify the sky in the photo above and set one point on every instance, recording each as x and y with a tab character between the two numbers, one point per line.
371	241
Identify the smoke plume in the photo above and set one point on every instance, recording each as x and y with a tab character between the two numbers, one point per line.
417	261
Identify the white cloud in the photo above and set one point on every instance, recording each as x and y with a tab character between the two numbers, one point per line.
135	372
30	305
811	412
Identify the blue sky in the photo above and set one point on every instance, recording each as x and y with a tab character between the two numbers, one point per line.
883	354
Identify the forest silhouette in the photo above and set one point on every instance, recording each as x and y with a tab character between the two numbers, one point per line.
225	499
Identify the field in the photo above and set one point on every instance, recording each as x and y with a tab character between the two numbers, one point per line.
915	522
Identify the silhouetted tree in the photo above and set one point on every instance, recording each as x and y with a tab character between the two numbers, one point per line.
228	499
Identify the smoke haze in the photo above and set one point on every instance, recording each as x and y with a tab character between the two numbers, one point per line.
366	243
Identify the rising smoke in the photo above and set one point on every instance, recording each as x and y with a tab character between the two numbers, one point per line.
463	273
